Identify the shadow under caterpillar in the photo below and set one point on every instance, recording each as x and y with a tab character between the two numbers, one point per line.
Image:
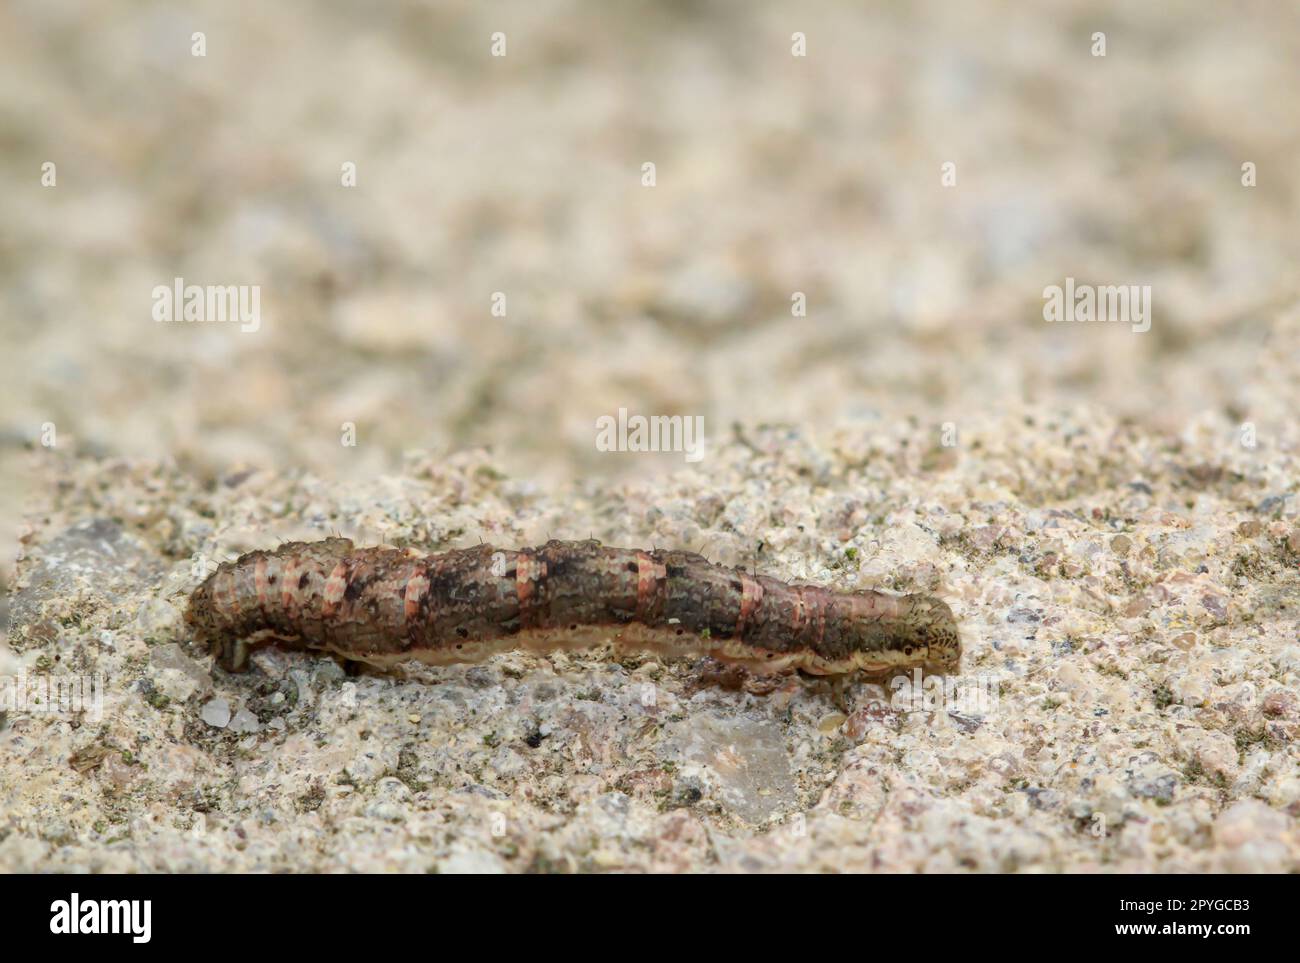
384	606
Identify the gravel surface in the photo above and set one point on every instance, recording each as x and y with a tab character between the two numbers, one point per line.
1114	514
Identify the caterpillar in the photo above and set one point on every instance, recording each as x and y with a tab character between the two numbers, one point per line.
384	606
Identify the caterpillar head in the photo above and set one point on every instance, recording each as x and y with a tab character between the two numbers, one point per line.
934	629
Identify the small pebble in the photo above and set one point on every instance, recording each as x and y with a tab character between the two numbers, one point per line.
831	723
216	713
244	721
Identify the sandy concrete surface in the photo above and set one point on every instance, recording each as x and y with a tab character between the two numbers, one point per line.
1111	507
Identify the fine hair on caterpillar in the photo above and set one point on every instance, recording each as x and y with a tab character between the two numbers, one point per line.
384	606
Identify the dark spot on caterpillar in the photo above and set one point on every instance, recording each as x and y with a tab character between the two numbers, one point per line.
462	632
270	580
675	571
737	587
558	565
354	589
632	567
444	582
303	580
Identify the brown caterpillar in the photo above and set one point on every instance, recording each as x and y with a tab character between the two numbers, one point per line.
384	606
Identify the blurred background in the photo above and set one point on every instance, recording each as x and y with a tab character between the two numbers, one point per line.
522	175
